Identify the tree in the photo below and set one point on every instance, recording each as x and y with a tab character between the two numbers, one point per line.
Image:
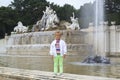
86	14
65	12
6	20
112	11
29	11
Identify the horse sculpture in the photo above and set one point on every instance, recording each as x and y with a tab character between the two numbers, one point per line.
75	24
20	28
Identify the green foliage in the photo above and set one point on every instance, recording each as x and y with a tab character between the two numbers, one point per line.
66	12
113	17
29	11
6	20
112	11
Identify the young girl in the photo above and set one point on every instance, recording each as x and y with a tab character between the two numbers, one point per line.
58	51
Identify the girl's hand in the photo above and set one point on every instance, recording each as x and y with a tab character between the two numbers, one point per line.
52	56
64	56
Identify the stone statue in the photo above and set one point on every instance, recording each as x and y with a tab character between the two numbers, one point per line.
20	28
75	24
49	19
52	19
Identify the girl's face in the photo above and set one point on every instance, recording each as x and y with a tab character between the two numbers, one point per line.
57	36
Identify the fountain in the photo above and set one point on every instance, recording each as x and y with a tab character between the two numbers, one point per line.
37	43
30	50
99	35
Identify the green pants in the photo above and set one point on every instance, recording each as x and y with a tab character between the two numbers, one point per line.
58	64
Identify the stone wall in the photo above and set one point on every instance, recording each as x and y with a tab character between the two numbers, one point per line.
107	41
73	37
38	43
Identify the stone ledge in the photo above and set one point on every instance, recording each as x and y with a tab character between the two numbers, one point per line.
44	49
22	74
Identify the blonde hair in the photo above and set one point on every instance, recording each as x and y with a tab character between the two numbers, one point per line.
58	32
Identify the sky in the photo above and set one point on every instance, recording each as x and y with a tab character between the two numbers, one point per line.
75	3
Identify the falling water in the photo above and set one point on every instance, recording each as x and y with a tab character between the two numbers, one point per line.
99	19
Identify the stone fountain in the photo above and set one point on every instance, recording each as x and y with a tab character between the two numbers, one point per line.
30	50
34	46
98	36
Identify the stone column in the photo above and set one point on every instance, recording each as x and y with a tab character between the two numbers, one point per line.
107	38
117	39
112	38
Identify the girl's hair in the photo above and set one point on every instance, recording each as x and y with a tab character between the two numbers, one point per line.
58	32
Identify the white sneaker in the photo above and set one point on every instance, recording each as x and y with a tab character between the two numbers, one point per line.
60	74
55	74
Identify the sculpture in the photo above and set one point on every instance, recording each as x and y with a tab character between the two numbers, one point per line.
20	28
49	19
75	24
52	19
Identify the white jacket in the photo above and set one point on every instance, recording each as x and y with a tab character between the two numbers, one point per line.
63	48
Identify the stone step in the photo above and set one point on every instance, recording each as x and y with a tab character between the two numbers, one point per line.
22	74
